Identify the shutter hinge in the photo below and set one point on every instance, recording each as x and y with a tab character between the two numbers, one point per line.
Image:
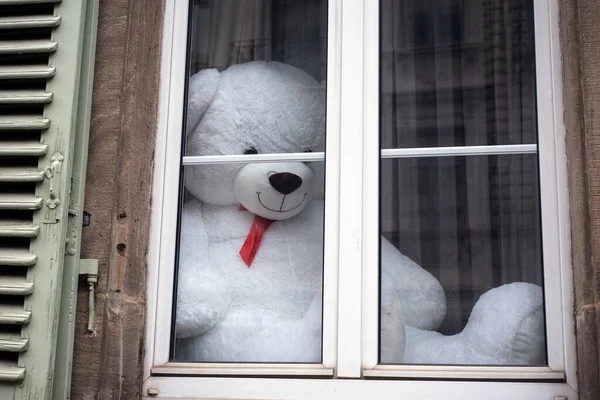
73	211
71	240
71	243
89	267
73	208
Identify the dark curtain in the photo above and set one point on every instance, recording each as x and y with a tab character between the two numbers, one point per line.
455	73
227	32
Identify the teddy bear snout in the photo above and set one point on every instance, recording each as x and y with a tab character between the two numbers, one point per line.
285	182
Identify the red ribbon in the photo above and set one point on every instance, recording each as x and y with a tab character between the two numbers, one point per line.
250	247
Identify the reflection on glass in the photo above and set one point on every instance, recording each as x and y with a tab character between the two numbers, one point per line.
461	255
249	281
457	73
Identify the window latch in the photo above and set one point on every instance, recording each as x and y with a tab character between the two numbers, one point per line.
89	267
52	173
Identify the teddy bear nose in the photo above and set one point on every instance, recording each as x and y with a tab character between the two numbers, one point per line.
285	182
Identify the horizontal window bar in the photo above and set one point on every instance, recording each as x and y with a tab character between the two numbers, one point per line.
225	369
464	372
385	153
174	387
247	158
460	151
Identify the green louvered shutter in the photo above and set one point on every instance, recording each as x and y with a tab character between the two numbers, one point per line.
46	61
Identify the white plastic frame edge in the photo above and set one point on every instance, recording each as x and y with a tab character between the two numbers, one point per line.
547	43
370	190
349	389
351	181
159	177
164	208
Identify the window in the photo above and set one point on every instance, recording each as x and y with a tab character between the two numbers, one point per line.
443	172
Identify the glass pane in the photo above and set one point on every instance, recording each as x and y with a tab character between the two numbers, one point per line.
461	261
461	252
457	72
250	260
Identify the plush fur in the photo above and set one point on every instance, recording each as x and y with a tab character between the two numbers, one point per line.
506	327
272	311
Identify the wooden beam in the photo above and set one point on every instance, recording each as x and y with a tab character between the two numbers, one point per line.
580	39
108	363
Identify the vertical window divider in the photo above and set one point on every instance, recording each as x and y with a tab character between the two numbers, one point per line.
553	185
332	185
370	193
166	231
349	351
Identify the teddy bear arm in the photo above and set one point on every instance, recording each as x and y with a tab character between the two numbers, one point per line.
201	304
202	296
392	335
420	296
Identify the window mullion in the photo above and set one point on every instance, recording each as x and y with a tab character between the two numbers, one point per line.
164	224
351	202
370	189
553	184
332	183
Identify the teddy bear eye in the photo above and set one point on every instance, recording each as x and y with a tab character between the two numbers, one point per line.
251	150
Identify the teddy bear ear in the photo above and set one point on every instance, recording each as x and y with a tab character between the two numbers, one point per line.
201	92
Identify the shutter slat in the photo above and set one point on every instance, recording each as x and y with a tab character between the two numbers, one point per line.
24	97
10	373
26	71
18	229
47	47
23	122
13	345
15	286
17	257
21	174
29	21
22	148
13	315
20	202
27	46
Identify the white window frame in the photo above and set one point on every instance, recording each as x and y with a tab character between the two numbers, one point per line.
352	161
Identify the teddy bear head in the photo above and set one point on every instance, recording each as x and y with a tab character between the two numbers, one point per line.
256	108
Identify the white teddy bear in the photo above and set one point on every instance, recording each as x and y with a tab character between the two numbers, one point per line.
251	294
